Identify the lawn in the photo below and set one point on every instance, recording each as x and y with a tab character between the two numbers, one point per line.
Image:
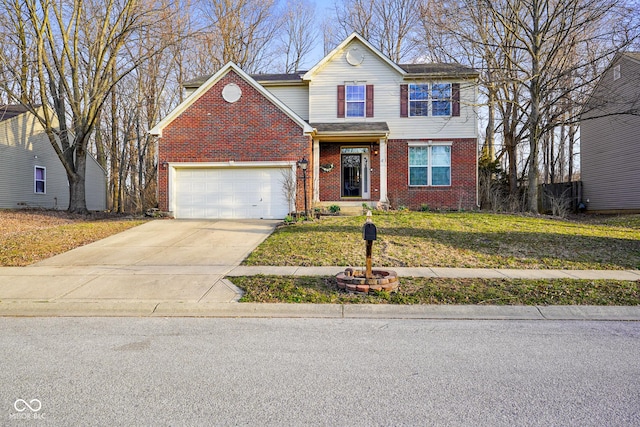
414	290
471	239
29	236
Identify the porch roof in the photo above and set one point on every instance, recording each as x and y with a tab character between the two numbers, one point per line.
358	129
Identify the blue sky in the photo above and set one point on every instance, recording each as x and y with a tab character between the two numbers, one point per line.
323	8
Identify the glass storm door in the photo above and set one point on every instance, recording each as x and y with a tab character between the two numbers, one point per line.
355	173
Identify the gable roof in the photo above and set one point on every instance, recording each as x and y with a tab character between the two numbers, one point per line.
210	82
596	96
10	111
354	36
408	71
633	55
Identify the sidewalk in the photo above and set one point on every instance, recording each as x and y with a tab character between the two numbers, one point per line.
203	291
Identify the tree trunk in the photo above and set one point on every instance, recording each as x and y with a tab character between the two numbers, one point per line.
77	189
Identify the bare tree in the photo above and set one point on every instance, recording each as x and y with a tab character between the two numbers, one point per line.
538	59
546	32
463	32
137	102
299	35
74	49
389	25
239	31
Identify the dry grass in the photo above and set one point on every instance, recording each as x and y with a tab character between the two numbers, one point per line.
478	240
422	290
29	236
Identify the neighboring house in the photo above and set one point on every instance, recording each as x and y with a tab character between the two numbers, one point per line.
610	139
373	132
31	175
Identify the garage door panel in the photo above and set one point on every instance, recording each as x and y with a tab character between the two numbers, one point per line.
229	193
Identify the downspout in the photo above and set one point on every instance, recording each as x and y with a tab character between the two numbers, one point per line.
475	97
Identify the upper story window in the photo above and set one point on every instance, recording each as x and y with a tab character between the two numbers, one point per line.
430	99
418	100
40	180
355	99
441	99
616	72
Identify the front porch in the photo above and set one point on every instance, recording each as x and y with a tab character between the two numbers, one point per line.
350	165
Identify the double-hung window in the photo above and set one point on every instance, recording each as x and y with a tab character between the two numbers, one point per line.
40	180
430	99
355	100
418	100
429	165
441	99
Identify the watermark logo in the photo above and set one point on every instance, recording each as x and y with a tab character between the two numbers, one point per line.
21	405
27	410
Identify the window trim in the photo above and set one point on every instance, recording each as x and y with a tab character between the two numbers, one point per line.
36	180
427	100
363	101
449	100
429	166
616	72
454	98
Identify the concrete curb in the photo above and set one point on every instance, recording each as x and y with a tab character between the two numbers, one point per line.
333	311
76	309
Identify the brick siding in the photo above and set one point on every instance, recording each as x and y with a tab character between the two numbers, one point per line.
253	129
460	195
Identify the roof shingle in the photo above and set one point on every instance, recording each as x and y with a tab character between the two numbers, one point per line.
10	111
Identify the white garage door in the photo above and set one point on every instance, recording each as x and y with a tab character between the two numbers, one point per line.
230	193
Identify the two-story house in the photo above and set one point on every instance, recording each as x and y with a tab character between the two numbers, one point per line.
372	131
31	174
610	139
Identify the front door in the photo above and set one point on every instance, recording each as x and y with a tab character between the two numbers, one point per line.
355	172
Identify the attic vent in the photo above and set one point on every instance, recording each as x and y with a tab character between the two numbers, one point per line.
616	72
231	93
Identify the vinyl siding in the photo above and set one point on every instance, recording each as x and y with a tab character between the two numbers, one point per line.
96	185
610	146
23	146
386	81
294	97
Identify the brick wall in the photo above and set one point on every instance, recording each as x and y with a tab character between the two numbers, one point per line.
330	186
250	130
461	193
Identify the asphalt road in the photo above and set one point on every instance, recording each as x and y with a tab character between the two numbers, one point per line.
97	371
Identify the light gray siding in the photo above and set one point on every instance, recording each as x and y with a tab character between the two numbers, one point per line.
610	143
23	147
96	185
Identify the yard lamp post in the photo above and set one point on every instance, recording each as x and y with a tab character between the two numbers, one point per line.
302	164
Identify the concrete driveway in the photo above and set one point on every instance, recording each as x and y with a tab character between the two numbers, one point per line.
171	243
159	261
